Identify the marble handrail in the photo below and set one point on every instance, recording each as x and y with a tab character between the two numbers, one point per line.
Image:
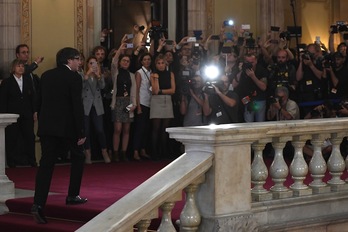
150	195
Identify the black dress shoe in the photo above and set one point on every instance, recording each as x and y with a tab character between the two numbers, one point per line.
76	200
38	214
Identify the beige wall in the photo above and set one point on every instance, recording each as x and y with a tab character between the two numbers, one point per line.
53	28
241	11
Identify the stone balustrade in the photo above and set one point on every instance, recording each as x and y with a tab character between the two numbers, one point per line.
224	188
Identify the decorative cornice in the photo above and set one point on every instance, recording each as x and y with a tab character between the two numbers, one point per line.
26	22
79	25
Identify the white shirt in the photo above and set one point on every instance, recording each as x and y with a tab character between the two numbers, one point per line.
19	82
144	91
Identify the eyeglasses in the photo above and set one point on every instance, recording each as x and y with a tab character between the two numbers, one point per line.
125	60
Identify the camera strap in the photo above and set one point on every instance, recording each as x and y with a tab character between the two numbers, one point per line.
148	78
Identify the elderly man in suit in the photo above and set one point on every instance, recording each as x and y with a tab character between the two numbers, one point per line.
60	125
17	97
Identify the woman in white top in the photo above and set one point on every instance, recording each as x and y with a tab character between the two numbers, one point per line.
142	116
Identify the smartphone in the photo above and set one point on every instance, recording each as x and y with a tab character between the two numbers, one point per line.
334	29
228	23
226	49
94	66
215	37
274	28
317	39
191	39
129	45
246	26
169	42
130	36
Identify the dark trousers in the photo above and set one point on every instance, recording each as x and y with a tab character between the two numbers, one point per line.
98	124
141	128
51	149
20	142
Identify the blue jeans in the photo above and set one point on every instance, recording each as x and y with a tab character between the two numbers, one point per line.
258	114
99	129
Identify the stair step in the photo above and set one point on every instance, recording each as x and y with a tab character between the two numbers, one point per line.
13	222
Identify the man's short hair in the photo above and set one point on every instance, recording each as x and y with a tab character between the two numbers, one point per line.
65	54
282	89
18	48
96	48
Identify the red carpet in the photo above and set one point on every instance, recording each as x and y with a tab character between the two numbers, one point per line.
103	184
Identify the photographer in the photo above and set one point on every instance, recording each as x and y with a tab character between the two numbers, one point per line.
250	85
283	73
337	71
191	105
309	74
221	104
282	108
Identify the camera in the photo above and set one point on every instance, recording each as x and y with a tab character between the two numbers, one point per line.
285	35
328	62
228	23
209	88
247	65
157	30
273	100
306	55
340	26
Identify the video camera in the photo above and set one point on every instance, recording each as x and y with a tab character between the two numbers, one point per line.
285	35
340	26
157	30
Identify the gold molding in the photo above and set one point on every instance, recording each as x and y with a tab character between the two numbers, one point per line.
210	16
79	25
26	22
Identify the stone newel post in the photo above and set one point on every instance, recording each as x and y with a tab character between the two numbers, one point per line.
6	185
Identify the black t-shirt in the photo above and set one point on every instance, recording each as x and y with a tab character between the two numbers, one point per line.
310	85
221	113
247	86
342	86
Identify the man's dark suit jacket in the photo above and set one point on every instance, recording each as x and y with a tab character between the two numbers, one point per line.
12	100
60	104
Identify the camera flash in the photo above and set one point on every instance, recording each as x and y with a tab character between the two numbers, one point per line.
211	72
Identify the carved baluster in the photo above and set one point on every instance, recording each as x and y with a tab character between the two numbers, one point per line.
259	174
299	168
166	222
336	164
317	166
190	217
143	225
279	170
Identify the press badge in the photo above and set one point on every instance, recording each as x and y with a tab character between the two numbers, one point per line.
219	114
309	82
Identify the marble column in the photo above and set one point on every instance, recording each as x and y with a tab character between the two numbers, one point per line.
270	13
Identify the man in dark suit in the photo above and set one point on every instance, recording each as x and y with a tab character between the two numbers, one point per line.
22	53
60	125
17	97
